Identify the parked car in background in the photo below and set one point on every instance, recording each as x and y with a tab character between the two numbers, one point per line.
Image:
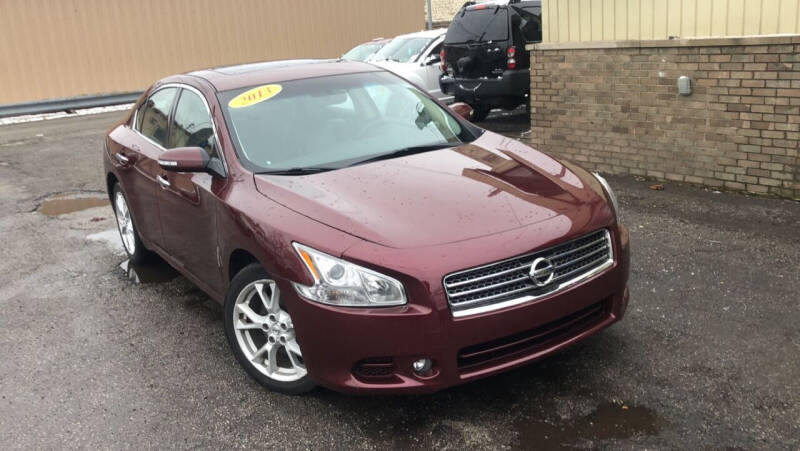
359	235
363	52
484	56
416	57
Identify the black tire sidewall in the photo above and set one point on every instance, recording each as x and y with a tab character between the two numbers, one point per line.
480	112
247	275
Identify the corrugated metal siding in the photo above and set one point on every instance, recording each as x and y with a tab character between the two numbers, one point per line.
63	48
614	20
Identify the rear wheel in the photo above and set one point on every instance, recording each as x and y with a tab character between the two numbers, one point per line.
131	241
261	334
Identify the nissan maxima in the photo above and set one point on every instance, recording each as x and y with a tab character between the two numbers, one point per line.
360	234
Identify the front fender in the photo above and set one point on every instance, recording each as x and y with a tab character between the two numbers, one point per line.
265	229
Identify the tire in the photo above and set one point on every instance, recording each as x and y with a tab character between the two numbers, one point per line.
131	241
260	333
479	112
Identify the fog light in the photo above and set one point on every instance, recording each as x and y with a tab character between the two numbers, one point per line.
422	366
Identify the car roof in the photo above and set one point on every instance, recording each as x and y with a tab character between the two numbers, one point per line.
425	34
507	2
244	75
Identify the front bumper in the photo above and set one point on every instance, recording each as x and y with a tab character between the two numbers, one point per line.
372	350
508	88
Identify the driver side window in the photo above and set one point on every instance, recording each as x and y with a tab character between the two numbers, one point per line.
191	125
435	51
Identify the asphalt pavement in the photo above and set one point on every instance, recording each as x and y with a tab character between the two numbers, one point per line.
708	355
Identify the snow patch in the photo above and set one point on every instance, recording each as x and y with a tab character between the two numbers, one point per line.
110	238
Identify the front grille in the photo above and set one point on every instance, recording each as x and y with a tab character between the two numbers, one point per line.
497	284
531	341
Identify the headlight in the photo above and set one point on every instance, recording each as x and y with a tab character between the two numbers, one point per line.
337	282
611	195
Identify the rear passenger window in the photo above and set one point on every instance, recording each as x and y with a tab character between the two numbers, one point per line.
531	23
191	126
155	115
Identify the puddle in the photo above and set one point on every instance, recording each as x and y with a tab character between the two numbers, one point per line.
157	271
609	421
58	206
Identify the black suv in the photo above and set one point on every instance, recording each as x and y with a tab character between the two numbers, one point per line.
484	59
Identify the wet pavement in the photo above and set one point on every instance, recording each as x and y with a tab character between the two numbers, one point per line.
607	422
98	353
61	205
156	271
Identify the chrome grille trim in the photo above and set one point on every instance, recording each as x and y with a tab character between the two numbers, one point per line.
507	283
488	276
489	287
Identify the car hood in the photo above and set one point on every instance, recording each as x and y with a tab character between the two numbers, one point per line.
397	67
491	185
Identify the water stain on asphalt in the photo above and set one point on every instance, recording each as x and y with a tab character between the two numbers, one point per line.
62	205
155	272
608	421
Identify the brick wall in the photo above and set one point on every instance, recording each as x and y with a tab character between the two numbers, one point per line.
615	108
443	11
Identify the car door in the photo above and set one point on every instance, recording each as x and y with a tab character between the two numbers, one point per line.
187	201
432	69
136	158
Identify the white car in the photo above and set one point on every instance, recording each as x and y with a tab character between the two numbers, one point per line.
416	58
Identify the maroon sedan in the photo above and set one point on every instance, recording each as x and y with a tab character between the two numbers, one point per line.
361	235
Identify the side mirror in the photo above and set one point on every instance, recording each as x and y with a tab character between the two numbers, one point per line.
462	109
432	59
184	159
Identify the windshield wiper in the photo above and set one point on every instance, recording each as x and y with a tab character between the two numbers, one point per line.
404	152
488	24
297	171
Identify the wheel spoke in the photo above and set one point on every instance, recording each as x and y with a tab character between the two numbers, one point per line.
271	303
296	362
293	348
294	358
241	325
272	358
250	314
274	298
261	351
265	301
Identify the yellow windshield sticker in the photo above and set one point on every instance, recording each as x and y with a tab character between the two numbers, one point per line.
255	95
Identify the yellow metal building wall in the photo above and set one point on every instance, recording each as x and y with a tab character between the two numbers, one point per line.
615	20
63	48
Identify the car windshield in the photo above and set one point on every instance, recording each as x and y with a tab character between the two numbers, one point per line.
486	24
362	52
402	50
335	121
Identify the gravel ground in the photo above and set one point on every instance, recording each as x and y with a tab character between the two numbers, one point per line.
707	357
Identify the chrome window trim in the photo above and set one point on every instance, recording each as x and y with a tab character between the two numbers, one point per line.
426	52
208	110
529	298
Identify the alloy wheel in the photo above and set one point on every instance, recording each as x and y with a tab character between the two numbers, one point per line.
124	223
265	333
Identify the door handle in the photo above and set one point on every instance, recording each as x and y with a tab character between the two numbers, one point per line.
162	181
122	158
